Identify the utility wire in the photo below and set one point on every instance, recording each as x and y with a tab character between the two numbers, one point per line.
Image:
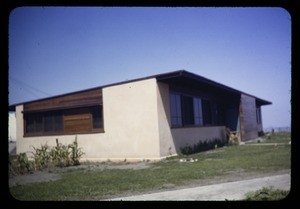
30	88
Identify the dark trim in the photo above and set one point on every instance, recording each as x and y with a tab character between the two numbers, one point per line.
192	76
196	126
61	108
42	134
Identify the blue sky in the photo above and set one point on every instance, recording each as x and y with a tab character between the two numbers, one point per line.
56	50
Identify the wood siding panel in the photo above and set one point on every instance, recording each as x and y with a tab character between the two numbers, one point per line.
248	117
86	98
78	122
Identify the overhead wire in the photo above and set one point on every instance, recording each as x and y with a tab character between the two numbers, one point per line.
30	89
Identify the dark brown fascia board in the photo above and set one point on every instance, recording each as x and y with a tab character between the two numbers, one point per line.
184	73
159	77
93	88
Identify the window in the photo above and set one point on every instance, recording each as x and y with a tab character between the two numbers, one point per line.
188	110
97	117
34	123
258	115
53	121
207	117
78	120
176	118
185	110
198	111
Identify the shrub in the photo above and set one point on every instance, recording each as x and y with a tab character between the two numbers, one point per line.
76	152
20	164
233	141
60	155
202	146
45	156
267	194
41	157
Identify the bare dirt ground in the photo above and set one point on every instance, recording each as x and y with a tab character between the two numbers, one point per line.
47	175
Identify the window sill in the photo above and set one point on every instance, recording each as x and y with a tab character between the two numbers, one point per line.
63	133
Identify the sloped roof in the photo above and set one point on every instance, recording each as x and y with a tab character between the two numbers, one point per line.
167	77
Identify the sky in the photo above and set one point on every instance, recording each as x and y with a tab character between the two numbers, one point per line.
57	50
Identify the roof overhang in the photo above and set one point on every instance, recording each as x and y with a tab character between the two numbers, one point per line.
185	77
181	76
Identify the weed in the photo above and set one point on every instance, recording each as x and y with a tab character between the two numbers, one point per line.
267	194
202	146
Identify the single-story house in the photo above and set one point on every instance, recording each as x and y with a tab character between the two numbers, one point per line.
147	118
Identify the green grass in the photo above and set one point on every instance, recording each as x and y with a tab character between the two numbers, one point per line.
280	137
84	184
266	194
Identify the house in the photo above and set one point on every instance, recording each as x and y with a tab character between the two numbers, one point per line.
147	118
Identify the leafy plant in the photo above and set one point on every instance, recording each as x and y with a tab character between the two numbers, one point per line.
202	146
76	152
60	155
267	194
233	141
20	164
41	157
45	156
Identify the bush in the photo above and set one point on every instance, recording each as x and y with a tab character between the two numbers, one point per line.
20	164
267	194
233	141
202	146
45	156
76	152
41	157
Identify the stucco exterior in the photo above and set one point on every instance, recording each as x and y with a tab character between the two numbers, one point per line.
12	126
130	127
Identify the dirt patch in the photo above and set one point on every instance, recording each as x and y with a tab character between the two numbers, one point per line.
109	166
42	176
39	176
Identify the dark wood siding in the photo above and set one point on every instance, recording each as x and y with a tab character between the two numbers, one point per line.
248	117
79	99
78	122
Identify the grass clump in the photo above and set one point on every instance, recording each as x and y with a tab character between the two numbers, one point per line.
267	194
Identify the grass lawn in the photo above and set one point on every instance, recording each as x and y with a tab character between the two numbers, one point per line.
86	184
281	137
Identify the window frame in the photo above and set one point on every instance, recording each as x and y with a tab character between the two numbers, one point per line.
72	111
258	116
196	117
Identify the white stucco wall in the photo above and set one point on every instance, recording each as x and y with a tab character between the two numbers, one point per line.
167	146
12	126
130	125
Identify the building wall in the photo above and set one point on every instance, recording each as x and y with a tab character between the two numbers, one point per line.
172	139
130	126
191	136
248	111
167	146
12	126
